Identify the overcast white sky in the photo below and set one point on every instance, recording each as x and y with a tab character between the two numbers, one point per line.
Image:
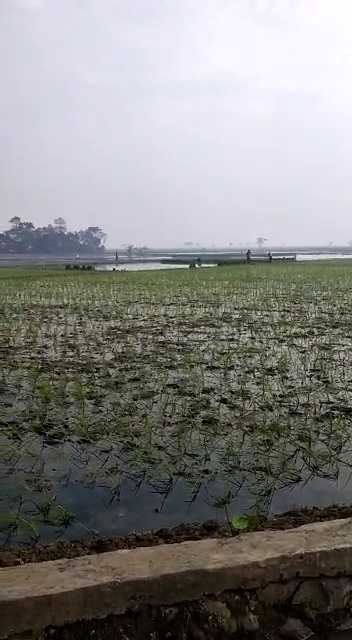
166	121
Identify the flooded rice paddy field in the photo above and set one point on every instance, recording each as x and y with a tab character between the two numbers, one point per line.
131	401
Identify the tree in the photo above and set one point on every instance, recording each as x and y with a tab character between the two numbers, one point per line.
92	238
15	221
261	241
24	237
19	237
26	226
60	225
141	251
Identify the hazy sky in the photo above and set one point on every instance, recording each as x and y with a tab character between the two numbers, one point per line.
166	121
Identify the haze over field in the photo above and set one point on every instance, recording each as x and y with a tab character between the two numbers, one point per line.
166	121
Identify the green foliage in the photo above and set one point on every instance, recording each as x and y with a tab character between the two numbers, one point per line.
15	524
245	523
64	516
24	237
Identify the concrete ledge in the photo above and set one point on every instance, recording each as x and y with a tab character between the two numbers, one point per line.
38	595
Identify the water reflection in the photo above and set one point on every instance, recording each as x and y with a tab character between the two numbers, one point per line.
325	256
140	505
139	266
138	511
152	266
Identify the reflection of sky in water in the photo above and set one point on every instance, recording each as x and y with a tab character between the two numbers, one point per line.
325	256
146	266
141	508
95	510
139	266
133	511
141	511
318	493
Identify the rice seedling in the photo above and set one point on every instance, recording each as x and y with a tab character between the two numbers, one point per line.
146	393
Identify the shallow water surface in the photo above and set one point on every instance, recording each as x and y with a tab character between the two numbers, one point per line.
144	401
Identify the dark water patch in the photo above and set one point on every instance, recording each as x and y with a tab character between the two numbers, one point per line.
99	511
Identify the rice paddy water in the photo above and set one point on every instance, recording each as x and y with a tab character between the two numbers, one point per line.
138	400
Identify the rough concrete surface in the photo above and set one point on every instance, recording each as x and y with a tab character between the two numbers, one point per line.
35	596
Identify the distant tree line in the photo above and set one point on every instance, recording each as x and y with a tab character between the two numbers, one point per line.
54	239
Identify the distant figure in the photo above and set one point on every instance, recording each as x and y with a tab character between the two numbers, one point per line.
199	262
248	256
270	256
116	257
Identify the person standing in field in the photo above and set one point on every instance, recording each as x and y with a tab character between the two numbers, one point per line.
248	255
270	256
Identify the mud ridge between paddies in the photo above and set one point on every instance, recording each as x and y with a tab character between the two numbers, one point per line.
10	556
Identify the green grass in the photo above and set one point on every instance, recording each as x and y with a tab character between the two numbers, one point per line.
229	379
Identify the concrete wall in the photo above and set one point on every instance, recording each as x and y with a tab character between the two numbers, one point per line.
285	583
